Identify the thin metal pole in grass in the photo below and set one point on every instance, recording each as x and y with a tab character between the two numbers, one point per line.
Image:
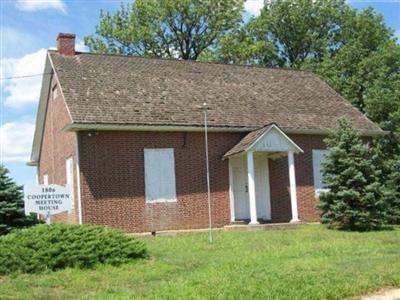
210	237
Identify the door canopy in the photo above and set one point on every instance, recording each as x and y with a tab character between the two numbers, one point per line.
266	139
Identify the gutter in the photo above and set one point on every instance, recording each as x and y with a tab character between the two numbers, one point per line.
200	128
164	128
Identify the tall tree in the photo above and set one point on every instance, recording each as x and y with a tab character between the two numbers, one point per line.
247	45
166	28
382	96
12	205
354	199
363	37
365	69
289	32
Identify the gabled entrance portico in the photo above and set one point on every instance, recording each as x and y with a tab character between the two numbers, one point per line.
250	197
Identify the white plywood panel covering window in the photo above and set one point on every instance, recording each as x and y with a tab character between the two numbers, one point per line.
318	157
69	166
159	173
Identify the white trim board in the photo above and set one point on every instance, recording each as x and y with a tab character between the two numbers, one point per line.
296	149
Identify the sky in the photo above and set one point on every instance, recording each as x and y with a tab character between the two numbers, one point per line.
29	27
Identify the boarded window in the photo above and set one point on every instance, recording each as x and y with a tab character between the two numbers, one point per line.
69	166
318	157
159	174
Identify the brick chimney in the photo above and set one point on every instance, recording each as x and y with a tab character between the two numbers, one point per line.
66	44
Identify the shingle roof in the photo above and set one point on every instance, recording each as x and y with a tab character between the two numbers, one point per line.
245	142
116	89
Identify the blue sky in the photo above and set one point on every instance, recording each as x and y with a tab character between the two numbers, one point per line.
29	27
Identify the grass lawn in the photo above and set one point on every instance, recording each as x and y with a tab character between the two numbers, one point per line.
309	262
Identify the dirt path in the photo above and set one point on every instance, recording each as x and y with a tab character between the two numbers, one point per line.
385	294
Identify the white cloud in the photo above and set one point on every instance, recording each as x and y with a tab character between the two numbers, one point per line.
80	46
253	7
34	5
18	91
22	91
16	141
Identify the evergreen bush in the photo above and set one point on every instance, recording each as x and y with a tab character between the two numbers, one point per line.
58	246
12	213
354	196
392	194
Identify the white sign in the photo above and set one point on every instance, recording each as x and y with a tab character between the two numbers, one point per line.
47	199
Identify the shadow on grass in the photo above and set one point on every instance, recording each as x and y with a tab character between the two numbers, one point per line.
361	230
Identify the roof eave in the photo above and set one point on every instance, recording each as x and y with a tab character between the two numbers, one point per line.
199	128
41	113
32	163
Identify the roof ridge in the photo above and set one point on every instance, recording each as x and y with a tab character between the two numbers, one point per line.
188	61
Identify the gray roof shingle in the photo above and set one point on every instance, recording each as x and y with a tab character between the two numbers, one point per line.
116	89
246	142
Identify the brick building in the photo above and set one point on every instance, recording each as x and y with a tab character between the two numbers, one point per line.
127	133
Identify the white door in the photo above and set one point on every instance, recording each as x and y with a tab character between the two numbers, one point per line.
240	188
261	174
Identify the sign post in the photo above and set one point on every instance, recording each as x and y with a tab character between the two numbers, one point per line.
48	220
47	200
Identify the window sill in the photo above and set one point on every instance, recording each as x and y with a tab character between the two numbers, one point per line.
160	201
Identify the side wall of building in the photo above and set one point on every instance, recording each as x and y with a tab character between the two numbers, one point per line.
113	187
57	147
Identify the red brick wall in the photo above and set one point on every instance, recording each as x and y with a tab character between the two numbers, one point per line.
112	180
279	181
112	175
57	146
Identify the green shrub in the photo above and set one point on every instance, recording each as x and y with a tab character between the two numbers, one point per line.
12	214
59	246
